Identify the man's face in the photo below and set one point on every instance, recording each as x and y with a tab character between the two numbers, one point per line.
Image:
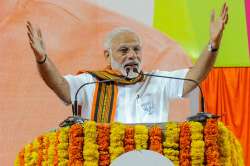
125	54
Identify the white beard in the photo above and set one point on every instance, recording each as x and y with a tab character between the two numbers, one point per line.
126	71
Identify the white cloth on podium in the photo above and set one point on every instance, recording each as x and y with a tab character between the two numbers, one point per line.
142	157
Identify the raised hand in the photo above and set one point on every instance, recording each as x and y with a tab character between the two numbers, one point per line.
217	25
48	71
36	42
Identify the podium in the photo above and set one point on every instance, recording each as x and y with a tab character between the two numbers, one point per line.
92	144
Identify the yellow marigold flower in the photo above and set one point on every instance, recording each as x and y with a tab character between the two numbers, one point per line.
197	144
141	137
63	163
62	146
197	136
171	143
90	163
90	149
196	126
63	155
173	158
171	152
17	161
116	148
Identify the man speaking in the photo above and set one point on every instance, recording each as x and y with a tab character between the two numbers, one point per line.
130	97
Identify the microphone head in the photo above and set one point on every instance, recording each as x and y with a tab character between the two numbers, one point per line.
127	71
135	70
131	72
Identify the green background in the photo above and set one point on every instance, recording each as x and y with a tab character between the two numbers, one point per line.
187	22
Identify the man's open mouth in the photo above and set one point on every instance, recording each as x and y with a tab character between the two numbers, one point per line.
131	64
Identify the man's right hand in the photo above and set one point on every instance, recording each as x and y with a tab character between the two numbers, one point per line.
36	42
48	70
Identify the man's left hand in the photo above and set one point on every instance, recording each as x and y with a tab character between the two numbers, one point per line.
217	26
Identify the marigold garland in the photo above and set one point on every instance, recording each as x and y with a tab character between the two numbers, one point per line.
237	154
76	145
19	161
185	144
197	143
103	142
62	147
141	137
51	149
65	147
117	132
211	134
46	143
171	143
40	151
224	145
27	152
155	139
90	148
56	148
229	147
33	153
129	143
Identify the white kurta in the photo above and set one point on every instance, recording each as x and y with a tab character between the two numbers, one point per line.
143	102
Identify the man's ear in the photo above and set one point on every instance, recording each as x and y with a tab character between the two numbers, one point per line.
107	56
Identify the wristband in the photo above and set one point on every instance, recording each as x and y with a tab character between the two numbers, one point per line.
43	61
211	49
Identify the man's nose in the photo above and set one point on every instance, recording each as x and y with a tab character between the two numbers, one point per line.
132	54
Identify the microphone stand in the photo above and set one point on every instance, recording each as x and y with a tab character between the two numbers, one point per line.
75	118
200	116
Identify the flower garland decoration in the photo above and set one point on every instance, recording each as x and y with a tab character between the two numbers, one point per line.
129	143
40	151
19	161
27	153
211	134
34	152
185	144
155	139
117	132
224	145
30	153
90	148
229	147
75	145
62	147
103	142
237	154
141	137
171	143
197	143
56	148
46	143
51	148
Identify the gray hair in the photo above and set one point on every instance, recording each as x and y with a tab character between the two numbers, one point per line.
110	36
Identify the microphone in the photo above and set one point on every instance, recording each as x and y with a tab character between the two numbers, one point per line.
201	116
127	71
75	118
75	106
